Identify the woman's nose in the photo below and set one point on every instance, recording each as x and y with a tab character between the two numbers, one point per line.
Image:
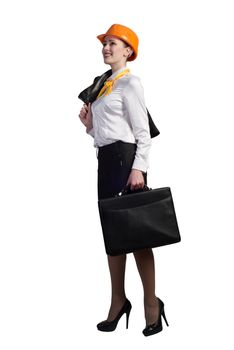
106	48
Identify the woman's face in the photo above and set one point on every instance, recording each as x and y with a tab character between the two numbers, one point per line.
115	50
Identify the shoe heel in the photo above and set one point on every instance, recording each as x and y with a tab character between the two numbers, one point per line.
109	326
127	317
164	316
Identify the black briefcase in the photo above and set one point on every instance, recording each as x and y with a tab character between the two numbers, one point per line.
137	221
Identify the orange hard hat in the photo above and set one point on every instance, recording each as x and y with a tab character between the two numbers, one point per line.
124	33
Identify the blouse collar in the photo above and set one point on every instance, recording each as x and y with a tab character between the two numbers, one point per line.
117	72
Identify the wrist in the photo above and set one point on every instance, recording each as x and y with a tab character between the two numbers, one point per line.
88	128
138	170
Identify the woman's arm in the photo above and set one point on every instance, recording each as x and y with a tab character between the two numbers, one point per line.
135	180
86	117
133	96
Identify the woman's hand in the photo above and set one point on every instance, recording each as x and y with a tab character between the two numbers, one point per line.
136	180
86	116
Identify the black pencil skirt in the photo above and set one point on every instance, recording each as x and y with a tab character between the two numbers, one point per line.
114	167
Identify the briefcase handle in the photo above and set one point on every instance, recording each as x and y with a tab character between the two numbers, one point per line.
127	190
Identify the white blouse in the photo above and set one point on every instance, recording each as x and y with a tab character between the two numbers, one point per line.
122	115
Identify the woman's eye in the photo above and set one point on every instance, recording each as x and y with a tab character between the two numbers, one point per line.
111	43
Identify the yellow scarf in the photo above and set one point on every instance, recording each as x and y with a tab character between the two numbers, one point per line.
108	85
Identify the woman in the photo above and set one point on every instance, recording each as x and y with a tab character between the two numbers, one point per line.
118	121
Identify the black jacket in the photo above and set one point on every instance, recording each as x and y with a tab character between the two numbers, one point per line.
90	94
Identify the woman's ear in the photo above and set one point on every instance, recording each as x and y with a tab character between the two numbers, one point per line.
129	52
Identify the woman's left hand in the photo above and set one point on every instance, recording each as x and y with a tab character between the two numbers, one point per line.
135	180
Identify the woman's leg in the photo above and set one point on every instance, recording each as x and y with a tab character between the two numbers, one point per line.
114	166
117	273
146	267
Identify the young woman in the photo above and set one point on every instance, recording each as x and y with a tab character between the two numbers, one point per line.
118	122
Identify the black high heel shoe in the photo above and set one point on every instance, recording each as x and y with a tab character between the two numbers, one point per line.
109	326
157	326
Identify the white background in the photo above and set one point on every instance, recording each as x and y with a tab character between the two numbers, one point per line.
54	277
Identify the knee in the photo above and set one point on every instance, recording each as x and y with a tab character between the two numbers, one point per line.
143	253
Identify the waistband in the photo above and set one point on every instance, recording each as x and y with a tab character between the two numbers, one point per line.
117	146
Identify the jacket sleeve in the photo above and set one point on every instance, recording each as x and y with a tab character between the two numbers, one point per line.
133	97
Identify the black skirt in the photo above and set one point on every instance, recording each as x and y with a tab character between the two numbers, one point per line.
114	167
